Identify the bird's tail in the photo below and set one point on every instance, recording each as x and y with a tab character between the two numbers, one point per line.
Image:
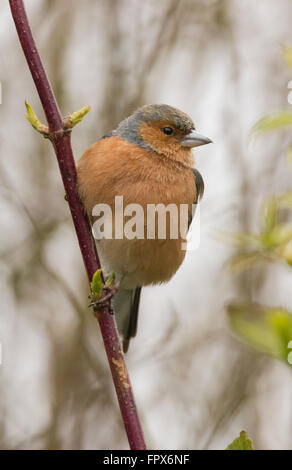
126	306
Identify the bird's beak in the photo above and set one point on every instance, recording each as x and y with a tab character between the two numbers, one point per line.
194	139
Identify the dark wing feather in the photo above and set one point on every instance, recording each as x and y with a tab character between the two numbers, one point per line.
133	320
200	189
199	184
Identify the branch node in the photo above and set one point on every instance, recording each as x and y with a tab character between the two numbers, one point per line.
102	293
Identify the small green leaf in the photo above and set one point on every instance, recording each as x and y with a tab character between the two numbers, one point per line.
96	285
280	235
35	122
285	253
77	116
241	443
110	280
267	329
273	122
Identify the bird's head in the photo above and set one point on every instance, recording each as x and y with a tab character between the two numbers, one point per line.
163	129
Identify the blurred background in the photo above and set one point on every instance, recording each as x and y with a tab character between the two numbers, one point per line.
196	385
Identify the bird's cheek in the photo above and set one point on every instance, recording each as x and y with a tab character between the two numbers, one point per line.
152	136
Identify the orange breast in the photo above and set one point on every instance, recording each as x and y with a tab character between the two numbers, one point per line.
114	167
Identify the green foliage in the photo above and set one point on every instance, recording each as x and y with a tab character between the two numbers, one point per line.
273	242
96	285
273	122
269	214
241	443
110	280
267	329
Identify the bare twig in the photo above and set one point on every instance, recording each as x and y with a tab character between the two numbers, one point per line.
60	137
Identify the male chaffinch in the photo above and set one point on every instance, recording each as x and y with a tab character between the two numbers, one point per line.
148	160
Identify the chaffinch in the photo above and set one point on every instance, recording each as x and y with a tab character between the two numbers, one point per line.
148	159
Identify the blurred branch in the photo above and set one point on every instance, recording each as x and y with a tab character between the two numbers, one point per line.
60	137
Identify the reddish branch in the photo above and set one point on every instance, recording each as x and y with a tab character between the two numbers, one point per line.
62	145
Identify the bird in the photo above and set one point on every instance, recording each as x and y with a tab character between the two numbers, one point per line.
147	160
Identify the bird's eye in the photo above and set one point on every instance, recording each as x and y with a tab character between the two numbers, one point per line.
167	130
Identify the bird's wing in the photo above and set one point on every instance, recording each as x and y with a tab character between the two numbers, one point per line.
200	190
199	184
